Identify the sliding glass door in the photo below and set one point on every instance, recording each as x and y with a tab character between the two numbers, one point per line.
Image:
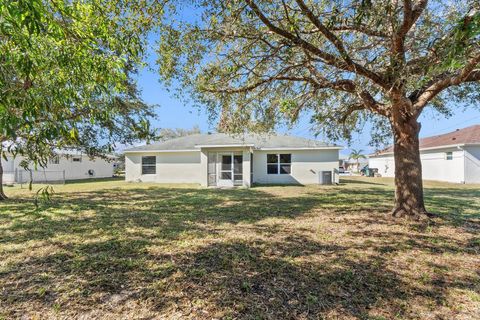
231	169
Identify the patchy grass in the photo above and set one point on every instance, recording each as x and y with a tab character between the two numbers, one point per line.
109	249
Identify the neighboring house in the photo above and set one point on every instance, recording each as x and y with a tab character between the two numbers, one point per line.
223	160
452	157
352	165
67	165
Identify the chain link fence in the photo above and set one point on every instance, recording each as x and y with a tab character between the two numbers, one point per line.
21	177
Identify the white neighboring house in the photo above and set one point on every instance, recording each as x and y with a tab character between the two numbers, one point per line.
223	160
451	157
348	165
67	165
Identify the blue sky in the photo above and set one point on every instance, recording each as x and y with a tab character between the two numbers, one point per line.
172	113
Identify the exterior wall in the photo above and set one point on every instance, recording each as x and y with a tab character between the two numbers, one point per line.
434	165
79	170
472	164
305	168
384	164
8	170
203	168
73	170
247	178
191	167
171	167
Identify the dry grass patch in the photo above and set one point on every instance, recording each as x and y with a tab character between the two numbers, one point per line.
110	249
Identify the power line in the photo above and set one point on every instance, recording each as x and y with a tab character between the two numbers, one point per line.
440	131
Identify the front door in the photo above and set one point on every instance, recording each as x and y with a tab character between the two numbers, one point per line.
231	169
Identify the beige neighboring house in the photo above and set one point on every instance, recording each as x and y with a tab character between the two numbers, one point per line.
222	160
451	157
67	165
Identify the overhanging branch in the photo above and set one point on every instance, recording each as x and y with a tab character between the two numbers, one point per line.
327	58
468	74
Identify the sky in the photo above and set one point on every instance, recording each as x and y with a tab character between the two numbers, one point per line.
173	113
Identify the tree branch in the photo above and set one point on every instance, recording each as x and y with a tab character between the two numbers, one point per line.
431	90
329	35
410	16
326	57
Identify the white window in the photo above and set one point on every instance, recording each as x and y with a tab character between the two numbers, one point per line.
55	160
77	159
149	165
279	163
449	155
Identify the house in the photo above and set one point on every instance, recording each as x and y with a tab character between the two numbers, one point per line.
451	157
346	164
223	160
66	165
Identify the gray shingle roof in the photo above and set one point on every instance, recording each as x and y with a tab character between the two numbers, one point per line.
192	142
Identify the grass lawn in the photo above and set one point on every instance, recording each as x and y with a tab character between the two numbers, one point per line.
110	250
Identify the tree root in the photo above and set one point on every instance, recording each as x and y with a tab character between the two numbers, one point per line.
417	214
3	196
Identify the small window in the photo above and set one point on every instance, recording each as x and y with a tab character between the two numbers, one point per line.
149	165
272	158
77	159
285	168
279	163
55	160
449	155
272	168
286	158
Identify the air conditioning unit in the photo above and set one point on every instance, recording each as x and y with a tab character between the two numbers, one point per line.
325	177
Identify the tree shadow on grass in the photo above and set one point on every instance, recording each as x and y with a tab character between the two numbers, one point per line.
167	211
237	279
95	180
459	207
346	181
104	251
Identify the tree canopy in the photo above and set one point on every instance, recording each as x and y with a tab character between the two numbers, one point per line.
259	63
66	74
171	133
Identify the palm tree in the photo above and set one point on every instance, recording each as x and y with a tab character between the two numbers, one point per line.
357	155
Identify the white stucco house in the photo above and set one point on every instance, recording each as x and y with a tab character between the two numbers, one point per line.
67	165
451	157
223	160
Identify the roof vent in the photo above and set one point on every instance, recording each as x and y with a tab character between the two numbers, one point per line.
457	130
454	138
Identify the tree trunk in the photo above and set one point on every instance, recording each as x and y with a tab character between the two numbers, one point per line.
408	171
2	194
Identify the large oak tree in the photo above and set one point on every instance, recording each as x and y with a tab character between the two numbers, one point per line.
258	62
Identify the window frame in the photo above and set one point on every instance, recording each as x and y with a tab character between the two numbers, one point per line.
55	160
149	165
278	164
